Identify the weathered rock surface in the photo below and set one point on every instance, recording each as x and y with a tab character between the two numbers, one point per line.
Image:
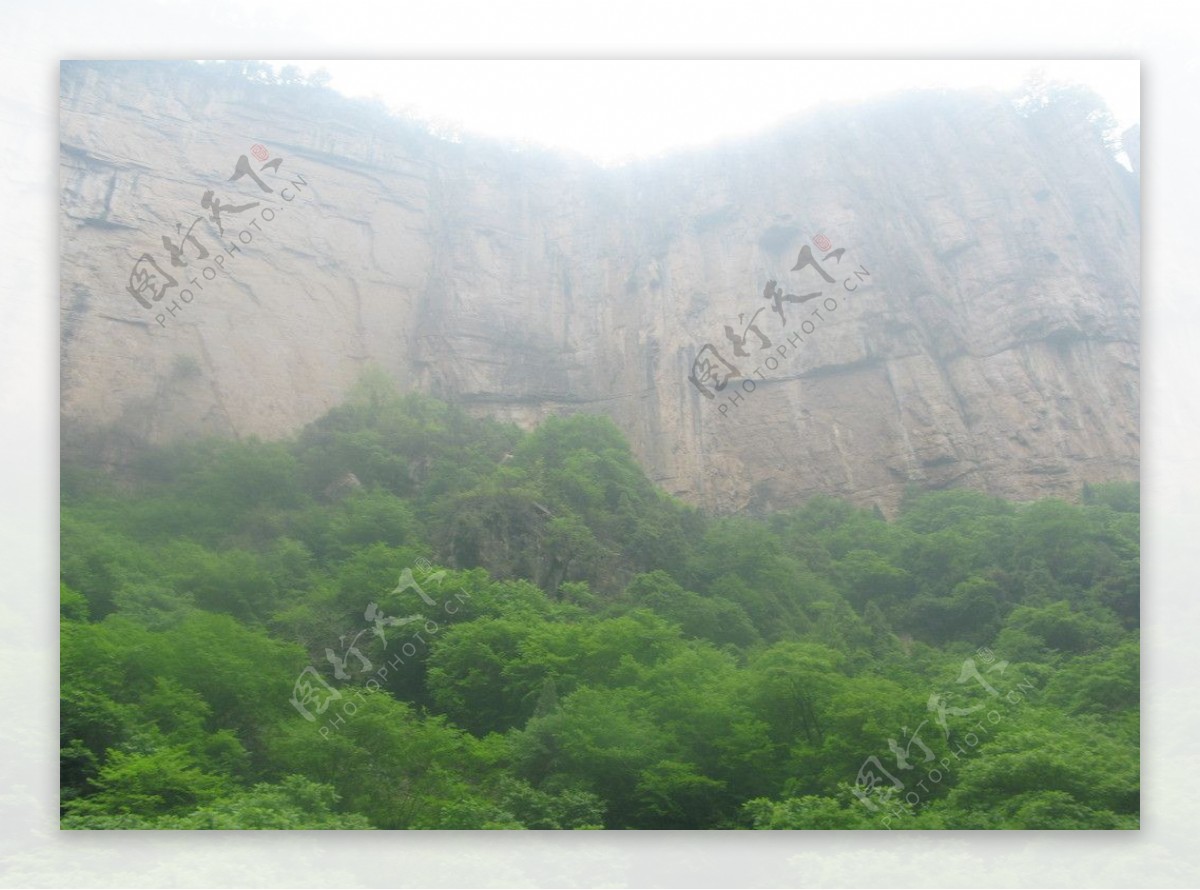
994	343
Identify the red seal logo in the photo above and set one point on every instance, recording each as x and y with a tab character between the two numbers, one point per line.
262	154
822	242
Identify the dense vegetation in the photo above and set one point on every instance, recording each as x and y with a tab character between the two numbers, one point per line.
589	653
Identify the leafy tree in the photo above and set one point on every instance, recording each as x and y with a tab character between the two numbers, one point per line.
155	783
579	650
1123	497
808	813
1032	776
295	804
603	737
869	577
710	618
389	764
1034	632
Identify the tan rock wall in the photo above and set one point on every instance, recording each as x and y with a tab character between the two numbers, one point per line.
994	343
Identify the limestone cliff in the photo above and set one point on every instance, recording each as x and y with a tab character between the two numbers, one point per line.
992	342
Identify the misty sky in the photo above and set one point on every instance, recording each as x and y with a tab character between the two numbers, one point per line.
614	110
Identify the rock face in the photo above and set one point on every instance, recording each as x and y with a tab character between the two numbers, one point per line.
990	339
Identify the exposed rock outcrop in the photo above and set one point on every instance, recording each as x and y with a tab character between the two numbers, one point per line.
993	344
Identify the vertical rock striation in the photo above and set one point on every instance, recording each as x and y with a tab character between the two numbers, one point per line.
993	344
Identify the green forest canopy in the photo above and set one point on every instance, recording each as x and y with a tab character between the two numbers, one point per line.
571	648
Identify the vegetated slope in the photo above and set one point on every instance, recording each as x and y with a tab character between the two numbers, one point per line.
589	651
